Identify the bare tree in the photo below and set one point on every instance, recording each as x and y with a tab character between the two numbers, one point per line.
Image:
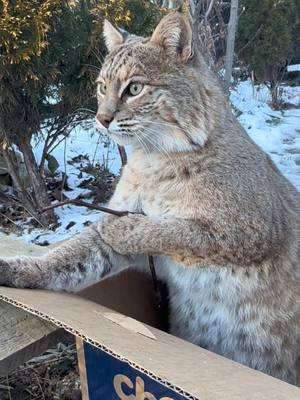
212	33
231	41
205	16
170	4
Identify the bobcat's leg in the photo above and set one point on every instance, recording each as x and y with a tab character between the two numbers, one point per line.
189	242
82	260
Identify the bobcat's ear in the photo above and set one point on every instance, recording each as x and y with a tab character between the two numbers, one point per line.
174	34
113	36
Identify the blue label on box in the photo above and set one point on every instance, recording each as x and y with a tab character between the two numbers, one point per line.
111	379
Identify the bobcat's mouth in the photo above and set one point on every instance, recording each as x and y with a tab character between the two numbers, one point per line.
120	135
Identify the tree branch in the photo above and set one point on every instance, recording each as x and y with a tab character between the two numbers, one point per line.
93	206
123	155
208	11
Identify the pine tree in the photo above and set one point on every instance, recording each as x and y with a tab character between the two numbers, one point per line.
24	73
264	38
50	55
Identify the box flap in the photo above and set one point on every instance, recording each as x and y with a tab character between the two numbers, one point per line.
130	293
180	365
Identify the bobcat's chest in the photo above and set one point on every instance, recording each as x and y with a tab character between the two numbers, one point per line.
145	192
206	306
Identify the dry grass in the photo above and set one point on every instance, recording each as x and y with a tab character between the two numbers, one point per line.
52	376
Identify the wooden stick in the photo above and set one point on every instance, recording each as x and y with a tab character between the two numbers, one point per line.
93	206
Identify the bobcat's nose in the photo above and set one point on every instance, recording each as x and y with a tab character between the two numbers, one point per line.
105	119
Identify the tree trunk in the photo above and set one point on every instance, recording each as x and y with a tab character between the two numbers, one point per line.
230	42
38	186
22	193
195	11
274	90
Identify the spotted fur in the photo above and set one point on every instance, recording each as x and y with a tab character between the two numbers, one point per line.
220	219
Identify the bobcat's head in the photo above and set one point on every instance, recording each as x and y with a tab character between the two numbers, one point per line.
149	90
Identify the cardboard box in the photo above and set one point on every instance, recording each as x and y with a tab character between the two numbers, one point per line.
125	358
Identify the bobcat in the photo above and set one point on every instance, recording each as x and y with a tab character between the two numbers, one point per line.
222	222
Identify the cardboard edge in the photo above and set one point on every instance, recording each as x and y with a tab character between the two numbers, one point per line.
82	369
214	376
89	340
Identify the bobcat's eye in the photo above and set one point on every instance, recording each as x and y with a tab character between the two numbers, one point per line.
101	88
135	88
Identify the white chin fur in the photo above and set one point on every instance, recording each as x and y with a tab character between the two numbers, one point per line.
121	140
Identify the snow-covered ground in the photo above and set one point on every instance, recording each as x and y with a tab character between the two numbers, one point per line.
276	132
294	67
80	142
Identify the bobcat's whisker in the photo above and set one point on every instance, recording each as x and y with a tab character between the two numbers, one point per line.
187	127
144	146
157	145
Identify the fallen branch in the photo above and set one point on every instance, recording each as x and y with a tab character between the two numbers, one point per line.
80	203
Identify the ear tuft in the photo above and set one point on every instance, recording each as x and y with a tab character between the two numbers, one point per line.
113	36
174	34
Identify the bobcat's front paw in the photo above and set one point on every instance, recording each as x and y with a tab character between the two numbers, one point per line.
16	272
127	235
7	273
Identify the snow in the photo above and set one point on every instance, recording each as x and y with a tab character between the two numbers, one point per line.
276	132
80	142
292	68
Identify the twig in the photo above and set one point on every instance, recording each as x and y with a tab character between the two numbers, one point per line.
39	384
95	152
93	206
32	216
251	40
8	388
123	155
65	170
208	11
5	387
157	292
9	219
